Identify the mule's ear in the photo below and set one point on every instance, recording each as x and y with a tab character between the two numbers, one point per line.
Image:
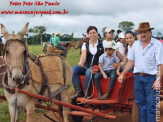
21	34
4	32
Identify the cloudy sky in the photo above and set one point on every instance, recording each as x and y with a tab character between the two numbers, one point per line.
82	13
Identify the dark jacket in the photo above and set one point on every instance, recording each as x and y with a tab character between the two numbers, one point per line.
100	51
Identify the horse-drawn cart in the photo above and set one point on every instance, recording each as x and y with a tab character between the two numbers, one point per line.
122	99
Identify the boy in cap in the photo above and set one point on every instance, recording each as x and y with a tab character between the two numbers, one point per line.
107	68
109	34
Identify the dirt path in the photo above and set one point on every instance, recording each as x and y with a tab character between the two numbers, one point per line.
121	117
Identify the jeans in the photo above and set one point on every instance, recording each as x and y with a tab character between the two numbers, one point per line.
62	48
77	70
145	97
110	73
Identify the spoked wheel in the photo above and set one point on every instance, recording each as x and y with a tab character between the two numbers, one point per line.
135	112
75	118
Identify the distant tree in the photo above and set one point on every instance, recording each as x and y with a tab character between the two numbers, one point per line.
38	30
66	37
27	35
126	26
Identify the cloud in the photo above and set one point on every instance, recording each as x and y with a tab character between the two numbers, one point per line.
83	13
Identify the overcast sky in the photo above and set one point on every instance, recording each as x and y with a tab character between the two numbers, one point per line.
82	13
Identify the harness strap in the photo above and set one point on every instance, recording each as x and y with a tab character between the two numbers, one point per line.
45	80
54	94
64	70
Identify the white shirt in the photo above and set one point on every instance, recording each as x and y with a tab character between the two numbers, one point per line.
93	50
146	60
121	48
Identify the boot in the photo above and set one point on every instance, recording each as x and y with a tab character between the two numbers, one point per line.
86	92
107	94
99	92
78	91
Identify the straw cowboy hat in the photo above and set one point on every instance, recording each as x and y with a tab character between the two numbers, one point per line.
144	26
57	33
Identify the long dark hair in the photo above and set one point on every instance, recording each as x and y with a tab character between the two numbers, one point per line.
126	49
128	32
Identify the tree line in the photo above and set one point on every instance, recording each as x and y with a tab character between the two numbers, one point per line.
37	35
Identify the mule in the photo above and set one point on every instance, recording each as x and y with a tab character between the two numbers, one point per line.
48	48
15	57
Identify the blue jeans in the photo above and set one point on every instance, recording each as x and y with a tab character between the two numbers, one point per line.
62	48
145	97
110	73
77	70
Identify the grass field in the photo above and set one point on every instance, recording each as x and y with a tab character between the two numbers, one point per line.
72	57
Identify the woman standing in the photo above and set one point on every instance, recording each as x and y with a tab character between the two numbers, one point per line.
91	51
130	39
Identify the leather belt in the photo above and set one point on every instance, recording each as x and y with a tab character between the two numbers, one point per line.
142	74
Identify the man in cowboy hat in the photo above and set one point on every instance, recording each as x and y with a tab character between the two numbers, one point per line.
58	44
146	57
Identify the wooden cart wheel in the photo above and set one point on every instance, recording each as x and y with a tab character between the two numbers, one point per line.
135	112
75	118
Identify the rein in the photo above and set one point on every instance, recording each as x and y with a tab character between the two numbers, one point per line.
92	72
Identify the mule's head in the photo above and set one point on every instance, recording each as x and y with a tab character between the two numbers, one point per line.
15	54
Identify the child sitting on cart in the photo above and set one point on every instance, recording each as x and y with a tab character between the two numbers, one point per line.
107	64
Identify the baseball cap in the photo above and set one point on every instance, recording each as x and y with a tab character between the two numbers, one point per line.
111	45
121	35
108	29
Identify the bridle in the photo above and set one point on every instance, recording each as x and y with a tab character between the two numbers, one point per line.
15	66
25	68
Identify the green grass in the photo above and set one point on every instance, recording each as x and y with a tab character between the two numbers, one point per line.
35	49
72	57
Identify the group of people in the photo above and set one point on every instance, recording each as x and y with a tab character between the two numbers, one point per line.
55	41
142	57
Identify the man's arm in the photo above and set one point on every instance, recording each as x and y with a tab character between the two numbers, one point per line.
128	66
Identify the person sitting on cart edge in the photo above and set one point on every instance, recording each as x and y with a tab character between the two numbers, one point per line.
146	57
107	64
91	51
